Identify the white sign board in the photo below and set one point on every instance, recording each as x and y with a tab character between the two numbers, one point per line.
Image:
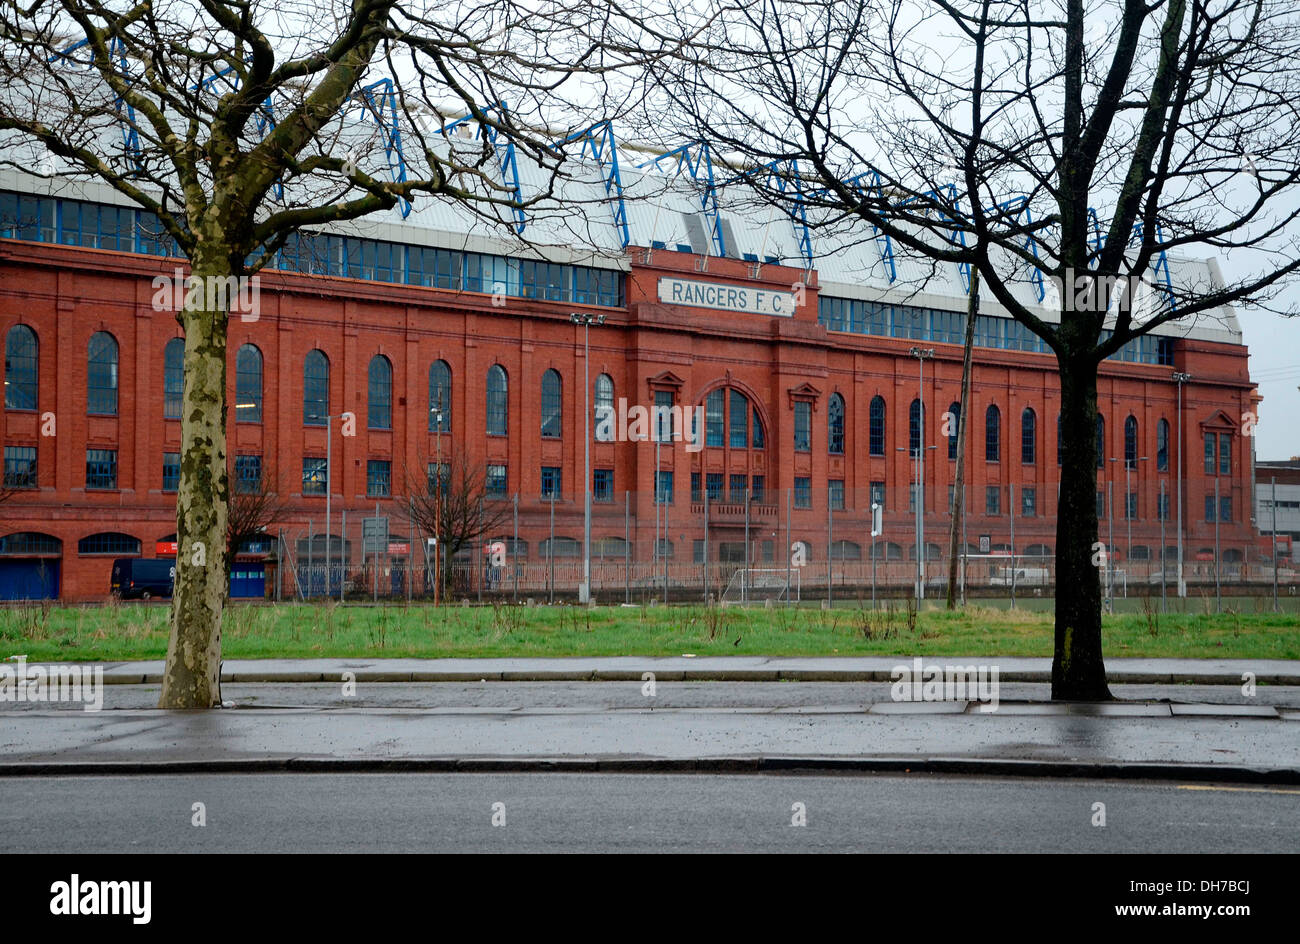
749	299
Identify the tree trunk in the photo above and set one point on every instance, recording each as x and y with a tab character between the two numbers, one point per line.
192	676
1078	673
959	475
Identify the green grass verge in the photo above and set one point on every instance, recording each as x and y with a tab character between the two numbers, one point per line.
124	632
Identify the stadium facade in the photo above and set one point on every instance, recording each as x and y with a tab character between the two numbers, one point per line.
799	347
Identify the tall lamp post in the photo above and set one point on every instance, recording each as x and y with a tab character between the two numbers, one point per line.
586	319
436	415
1180	378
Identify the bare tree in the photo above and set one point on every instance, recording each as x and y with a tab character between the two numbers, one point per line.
460	513
254	508
239	124
1048	146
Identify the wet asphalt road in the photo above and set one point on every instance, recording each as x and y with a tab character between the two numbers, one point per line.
626	813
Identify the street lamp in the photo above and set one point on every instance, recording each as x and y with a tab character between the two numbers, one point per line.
586	319
436	414
1180	378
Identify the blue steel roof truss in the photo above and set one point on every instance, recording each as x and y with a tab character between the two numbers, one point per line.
696	158
505	156
1162	260
883	241
1040	289
380	102
600	139
130	134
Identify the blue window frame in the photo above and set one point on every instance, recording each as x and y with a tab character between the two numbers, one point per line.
379	478
497	389
664	488
835	425
440	397
738	421
713	485
20	467
108	542
1131	442
915	420
992	434
713	417
315	388
248	384
20	379
1028	437
802	492
173	378
802	426
876	425
954	427
248	475
380	393
101	468
602	485
494	483
101	379
552	405
171	478
313	475
551	486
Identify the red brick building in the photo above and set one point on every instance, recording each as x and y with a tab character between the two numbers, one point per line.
826	424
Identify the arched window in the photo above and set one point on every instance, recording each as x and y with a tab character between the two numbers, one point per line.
914	421
380	400
173	378
496	400
992	434
101	380
1162	446
835	424
248	384
552	404
20	368
1028	437
315	388
1101	441
1131	442
759	439
439	397
876	426
953	429
604	418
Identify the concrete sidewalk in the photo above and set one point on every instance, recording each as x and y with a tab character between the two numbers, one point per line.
1114	740
706	668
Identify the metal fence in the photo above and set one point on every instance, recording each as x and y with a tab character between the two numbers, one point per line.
730	541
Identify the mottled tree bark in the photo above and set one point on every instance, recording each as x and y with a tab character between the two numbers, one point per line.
192	676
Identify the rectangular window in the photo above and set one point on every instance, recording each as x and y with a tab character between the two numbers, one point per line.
1162	507
803	426
1225	507
713	405
738	486
494	482
664	488
878	494
836	494
313	476
1101	504
20	467
101	468
1210	442
1029	502
1225	454
1131	506
1209	507
756	486
713	486
696	494
171	471
664	422
993	500
551	483
248	475
802	492
602	485
379	478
